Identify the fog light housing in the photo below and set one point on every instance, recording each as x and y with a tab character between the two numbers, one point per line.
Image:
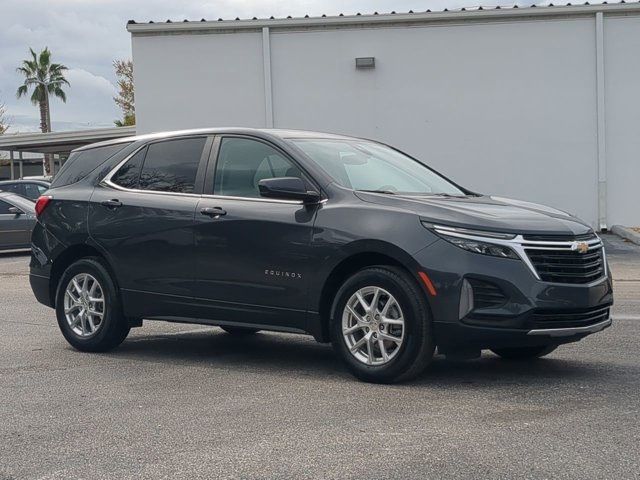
466	299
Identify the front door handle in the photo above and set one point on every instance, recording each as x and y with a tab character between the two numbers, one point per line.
213	212
112	204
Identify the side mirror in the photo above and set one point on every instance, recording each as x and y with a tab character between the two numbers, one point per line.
15	210
287	188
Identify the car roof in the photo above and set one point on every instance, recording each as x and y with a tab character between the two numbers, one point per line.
8	182
266	133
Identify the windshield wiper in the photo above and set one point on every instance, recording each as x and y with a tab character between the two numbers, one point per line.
386	192
446	195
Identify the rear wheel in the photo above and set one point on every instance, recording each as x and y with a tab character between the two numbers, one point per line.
88	307
381	326
525	353
240	330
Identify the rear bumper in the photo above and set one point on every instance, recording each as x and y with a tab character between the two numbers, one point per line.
40	288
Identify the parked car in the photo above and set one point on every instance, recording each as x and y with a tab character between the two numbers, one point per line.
17	219
31	189
348	240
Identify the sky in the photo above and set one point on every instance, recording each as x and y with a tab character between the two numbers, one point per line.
88	35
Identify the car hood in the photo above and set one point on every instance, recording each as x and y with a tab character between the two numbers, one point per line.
484	213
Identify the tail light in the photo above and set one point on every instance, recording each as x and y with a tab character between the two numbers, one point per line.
42	203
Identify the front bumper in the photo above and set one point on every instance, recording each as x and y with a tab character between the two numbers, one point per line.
534	312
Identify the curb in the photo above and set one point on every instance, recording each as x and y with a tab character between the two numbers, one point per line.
627	233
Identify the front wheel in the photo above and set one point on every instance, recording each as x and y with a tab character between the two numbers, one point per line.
381	325
524	353
88	307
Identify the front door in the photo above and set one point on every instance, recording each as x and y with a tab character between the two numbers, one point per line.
142	217
15	228
253	252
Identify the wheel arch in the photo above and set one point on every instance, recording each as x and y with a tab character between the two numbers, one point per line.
67	257
357	258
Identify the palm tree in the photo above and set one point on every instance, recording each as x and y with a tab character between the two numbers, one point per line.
47	79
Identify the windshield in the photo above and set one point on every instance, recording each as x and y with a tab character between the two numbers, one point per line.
369	166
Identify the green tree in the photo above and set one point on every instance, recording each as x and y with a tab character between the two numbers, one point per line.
45	79
125	99
4	123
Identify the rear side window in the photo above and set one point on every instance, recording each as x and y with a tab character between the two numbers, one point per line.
127	175
172	165
33	190
82	163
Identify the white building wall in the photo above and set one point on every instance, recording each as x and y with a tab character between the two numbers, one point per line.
622	94
189	81
504	107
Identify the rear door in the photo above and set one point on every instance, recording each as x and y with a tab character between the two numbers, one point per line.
142	216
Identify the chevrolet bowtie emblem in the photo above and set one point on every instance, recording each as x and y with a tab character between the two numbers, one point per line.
580	247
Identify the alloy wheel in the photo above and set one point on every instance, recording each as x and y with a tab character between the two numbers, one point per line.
373	325
84	305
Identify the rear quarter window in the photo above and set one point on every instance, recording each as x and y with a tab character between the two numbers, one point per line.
82	163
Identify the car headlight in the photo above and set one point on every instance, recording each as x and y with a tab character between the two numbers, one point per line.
476	241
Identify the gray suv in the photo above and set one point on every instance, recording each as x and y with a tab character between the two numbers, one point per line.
345	239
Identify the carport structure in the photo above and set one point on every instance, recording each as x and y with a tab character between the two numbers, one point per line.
57	145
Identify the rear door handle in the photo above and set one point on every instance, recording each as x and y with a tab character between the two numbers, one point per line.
113	203
213	212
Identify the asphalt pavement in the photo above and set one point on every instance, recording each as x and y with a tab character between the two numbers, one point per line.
186	401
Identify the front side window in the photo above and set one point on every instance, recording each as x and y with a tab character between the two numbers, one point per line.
243	162
365	165
172	165
4	207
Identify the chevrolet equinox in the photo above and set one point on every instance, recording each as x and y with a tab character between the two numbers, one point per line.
345	239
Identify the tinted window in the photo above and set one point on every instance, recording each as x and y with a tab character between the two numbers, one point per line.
171	166
16	188
80	164
242	163
33	190
4	207
128	174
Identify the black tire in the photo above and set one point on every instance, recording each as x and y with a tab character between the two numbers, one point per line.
417	348
114	328
524	353
239	330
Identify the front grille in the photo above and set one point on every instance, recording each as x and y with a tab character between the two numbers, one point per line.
559	238
569	318
486	294
557	261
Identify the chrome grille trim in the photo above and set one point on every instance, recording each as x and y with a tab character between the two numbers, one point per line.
519	244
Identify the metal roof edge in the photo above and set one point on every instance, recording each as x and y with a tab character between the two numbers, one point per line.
7	141
381	19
